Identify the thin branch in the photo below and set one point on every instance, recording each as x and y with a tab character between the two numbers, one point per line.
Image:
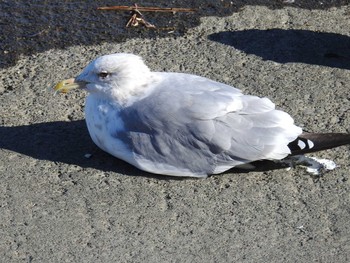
146	9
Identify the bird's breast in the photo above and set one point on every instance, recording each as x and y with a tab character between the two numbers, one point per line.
104	124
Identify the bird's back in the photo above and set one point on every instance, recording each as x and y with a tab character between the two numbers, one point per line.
204	126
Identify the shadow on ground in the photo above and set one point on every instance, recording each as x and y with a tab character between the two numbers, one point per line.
63	142
68	142
33	26
297	46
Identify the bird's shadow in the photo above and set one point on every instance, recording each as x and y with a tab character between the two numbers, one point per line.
69	142
291	45
61	142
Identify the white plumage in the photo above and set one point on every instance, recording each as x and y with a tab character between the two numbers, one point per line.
179	124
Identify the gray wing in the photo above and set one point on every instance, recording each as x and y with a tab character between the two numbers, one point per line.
206	126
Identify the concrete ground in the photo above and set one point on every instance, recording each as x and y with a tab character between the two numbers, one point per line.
57	205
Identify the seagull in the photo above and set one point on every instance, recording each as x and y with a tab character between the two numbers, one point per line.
184	125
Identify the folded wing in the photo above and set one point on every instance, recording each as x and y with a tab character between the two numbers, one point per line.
206	126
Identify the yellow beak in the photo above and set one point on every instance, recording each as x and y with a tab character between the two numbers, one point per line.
68	84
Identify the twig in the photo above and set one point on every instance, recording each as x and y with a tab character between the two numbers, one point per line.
146	9
137	18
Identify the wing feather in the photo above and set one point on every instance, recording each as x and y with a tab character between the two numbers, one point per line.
205	125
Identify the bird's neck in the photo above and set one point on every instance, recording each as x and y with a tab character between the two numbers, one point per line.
133	89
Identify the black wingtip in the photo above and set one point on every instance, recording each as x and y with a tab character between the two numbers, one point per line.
313	142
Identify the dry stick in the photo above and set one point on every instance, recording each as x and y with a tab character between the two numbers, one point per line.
137	18
146	9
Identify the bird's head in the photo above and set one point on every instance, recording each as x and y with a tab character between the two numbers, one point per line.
116	76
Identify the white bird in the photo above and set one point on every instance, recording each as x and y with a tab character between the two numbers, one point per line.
184	125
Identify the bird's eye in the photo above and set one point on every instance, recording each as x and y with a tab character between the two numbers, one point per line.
103	74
